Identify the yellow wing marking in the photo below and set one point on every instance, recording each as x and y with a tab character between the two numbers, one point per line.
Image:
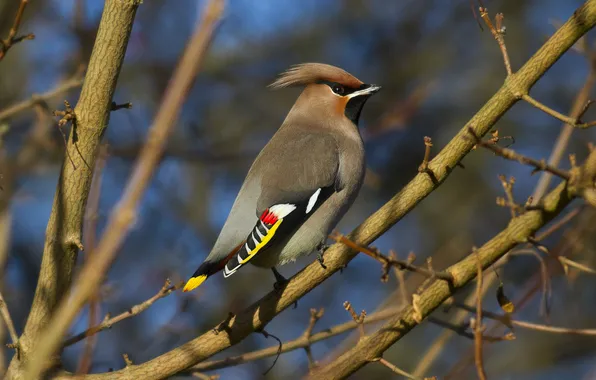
194	282
263	242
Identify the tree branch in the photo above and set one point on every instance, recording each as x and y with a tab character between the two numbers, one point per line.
337	256
108	321
510	154
303	341
518	231
12	38
9	324
72	83
63	233
122	217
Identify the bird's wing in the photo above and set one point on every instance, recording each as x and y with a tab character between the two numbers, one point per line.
297	175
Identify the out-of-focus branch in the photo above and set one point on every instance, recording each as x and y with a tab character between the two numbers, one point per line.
476	323
463	330
519	230
72	83
12	38
89	240
63	233
109	321
507	321
9	324
562	141
122	217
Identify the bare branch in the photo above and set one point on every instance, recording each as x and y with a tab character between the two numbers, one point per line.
389	261
359	319
315	315
12	38
395	369
9	325
122	217
518	231
574	122
476	324
64	230
109	321
507	321
462	330
75	82
498	33
301	342
512	155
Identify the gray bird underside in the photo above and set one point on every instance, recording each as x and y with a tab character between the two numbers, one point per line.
295	163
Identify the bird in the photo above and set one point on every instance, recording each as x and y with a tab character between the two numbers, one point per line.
302	182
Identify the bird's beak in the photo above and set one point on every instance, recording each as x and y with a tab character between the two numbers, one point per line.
368	90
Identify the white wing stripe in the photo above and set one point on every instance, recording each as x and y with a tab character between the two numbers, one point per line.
313	200
264	226
282	210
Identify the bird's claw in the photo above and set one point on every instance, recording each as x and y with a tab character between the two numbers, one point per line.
321	248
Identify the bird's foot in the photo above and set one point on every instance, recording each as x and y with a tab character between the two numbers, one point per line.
225	325
280	281
321	248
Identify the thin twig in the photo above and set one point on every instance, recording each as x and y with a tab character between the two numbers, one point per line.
387	261
477	323
401	280
513	156
559	224
396	369
9	324
75	82
359	319
508	188
12	38
577	109
109	321
545	279
461	330
565	261
574	122
423	168
507	321
498	33
315	315
90	240
298	343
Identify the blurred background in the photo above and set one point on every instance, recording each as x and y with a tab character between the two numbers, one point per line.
437	68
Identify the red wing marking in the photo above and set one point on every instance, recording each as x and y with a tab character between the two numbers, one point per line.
268	217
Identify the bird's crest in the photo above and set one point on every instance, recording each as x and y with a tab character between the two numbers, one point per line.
308	73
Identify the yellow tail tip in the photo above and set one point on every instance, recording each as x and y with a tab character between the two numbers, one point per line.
194	282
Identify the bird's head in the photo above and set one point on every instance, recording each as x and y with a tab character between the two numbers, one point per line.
327	87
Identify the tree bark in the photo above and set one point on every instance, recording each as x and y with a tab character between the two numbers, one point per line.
92	113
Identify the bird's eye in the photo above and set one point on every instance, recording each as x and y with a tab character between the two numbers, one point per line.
338	89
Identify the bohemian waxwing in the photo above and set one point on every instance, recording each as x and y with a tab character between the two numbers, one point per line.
302	182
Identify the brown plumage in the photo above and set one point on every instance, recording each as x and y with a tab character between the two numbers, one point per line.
309	73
